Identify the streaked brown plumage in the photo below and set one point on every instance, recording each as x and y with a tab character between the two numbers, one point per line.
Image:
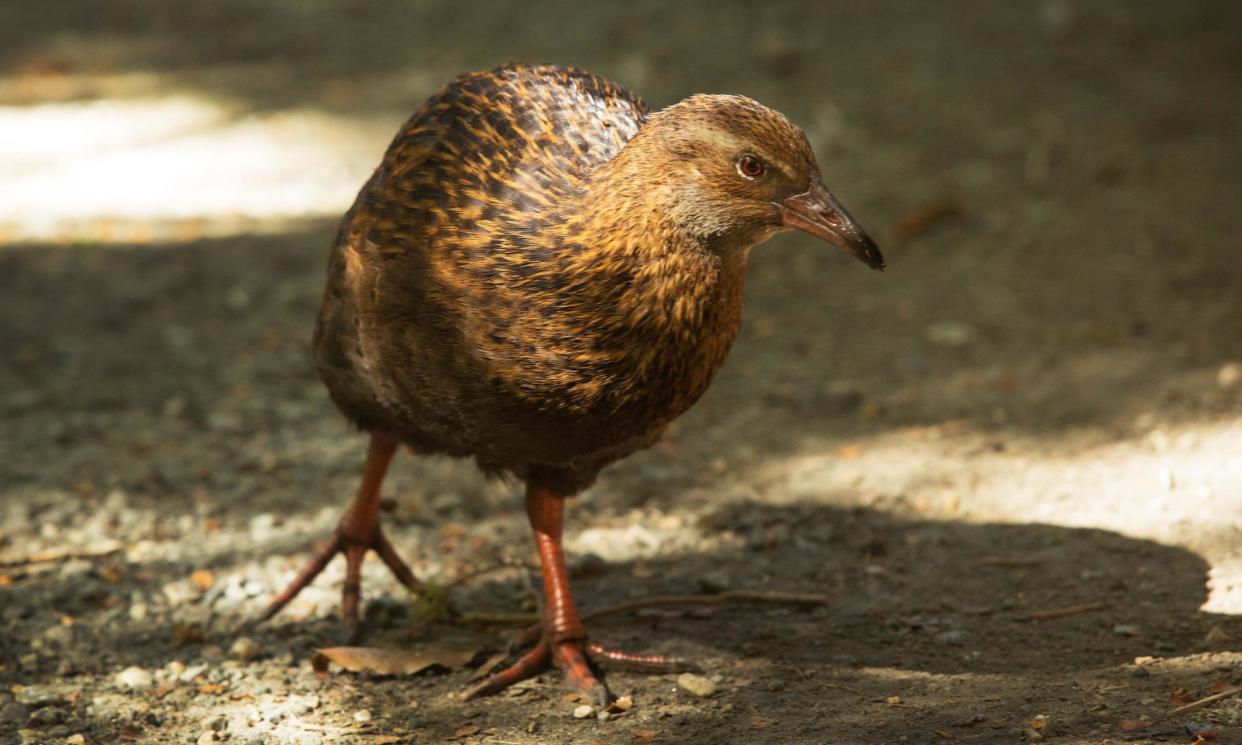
541	274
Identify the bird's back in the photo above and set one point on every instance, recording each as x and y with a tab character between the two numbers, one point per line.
510	140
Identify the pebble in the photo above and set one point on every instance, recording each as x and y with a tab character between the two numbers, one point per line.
190	673
135	678
952	636
180	592
47	716
587	565
715	581
138	611
1216	636
207	738
696	685
362	715
950	334
301	704
584	711
1229	375
78	739
244	649
13	716
36	696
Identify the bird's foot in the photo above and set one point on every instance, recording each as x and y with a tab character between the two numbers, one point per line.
575	657
347	541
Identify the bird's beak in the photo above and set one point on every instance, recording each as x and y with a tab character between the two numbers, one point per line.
817	212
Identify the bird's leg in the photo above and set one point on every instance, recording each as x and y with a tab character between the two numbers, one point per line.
358	532
562	639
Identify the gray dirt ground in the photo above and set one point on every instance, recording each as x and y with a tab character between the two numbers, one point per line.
1036	408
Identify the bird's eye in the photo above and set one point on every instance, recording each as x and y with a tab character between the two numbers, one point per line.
750	167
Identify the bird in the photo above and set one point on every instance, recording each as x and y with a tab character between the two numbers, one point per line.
541	274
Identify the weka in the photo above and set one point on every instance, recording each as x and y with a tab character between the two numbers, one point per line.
542	274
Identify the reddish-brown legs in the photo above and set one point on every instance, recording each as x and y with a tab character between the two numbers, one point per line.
561	636
357	533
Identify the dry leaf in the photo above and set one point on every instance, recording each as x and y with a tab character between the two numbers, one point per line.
186	634
643	735
625	703
849	452
467	730
395	661
922	219
1181	696
211	689
1130	725
1219	686
761	723
203	579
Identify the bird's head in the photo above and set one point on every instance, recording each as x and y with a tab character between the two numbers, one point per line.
730	169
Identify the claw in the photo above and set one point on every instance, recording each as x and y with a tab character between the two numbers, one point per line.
357	533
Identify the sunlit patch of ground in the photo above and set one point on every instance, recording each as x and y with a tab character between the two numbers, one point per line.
1174	485
175	167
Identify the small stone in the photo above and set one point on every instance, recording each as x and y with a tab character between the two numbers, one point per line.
138	612
1125	629
362	715
36	696
950	334
47	716
244	649
587	565
13	716
715	581
1229	375
135	678
1217	637
584	711
207	738
190	673
180	592
603	715
696	685
78	739
299	705
951	636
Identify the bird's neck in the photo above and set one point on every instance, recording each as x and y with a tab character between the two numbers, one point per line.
673	294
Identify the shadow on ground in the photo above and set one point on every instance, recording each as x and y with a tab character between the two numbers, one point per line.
930	630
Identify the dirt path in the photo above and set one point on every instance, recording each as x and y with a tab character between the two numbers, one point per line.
1036	409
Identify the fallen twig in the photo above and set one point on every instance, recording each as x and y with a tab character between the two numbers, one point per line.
1205	701
61	554
1045	615
724	598
1008	562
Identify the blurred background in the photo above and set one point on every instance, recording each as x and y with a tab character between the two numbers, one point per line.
1035	408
